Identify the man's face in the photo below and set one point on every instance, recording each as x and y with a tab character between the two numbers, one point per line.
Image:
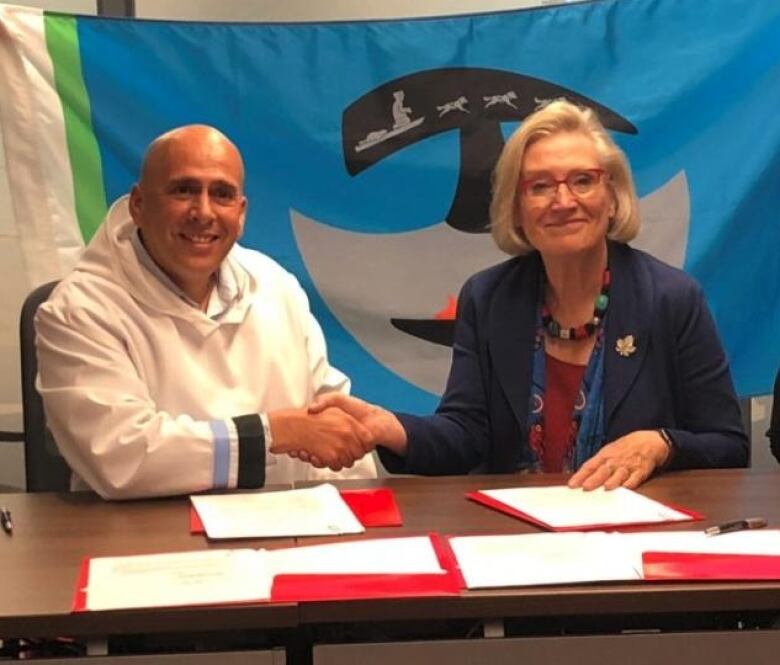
190	207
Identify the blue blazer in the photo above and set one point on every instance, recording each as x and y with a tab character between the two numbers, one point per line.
678	377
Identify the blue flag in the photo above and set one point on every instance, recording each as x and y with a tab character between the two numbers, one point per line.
369	147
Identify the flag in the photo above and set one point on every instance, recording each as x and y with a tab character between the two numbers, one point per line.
369	145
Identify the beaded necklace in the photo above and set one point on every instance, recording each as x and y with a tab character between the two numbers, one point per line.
555	329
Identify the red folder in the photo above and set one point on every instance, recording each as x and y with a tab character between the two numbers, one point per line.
80	597
372	507
79	602
310	588
302	588
490	502
701	567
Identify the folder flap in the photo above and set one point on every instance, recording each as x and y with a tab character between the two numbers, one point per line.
447	558
373	507
319	587
705	566
490	502
311	588
80	597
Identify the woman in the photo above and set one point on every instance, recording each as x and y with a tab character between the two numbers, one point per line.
581	354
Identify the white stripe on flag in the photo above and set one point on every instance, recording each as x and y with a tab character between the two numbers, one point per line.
39	170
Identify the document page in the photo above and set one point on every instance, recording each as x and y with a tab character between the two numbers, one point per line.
763	542
313	511
562	507
181	578
414	555
594	556
544	558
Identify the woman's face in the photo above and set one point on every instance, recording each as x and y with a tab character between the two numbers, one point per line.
555	219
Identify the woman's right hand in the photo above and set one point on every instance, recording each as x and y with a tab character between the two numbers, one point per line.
384	427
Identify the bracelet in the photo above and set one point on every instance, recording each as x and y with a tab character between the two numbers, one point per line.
669	444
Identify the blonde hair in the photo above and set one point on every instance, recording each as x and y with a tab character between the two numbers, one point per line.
559	116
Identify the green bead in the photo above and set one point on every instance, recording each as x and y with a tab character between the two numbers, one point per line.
601	302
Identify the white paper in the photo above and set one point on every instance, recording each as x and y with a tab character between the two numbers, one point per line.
593	556
180	578
378	556
765	541
544	558
313	511
559	506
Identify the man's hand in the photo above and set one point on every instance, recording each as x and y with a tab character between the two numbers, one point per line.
385	428
626	462
329	437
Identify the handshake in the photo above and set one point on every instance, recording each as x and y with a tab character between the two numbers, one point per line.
335	431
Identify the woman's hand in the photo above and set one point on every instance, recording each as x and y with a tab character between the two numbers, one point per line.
626	462
385	428
330	437
382	426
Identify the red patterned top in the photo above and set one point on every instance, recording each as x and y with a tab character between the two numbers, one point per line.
560	430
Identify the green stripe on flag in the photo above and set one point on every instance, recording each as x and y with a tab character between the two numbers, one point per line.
62	42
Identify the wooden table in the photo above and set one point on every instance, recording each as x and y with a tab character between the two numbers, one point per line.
438	504
589	624
54	532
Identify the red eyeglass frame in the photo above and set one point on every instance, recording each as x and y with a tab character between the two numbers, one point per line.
523	184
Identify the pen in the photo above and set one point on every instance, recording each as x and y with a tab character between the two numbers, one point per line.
6	521
736	525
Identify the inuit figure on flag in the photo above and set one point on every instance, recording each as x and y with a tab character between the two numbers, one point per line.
402	122
401	114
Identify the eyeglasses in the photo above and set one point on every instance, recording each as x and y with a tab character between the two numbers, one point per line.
580	183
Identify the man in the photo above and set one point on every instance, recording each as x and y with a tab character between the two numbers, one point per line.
172	360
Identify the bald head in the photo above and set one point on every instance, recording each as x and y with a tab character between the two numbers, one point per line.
189	205
166	151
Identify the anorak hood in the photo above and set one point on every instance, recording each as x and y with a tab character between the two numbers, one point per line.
111	256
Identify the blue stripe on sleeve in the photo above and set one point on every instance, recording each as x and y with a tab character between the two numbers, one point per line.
221	453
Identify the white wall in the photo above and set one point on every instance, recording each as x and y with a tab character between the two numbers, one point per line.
322	10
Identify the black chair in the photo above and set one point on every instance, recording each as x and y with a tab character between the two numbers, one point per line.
774	423
45	469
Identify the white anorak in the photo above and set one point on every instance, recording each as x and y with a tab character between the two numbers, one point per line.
146	395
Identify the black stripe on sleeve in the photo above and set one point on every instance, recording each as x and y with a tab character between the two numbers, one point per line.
251	451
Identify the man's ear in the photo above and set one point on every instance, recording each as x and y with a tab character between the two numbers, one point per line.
242	218
136	203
